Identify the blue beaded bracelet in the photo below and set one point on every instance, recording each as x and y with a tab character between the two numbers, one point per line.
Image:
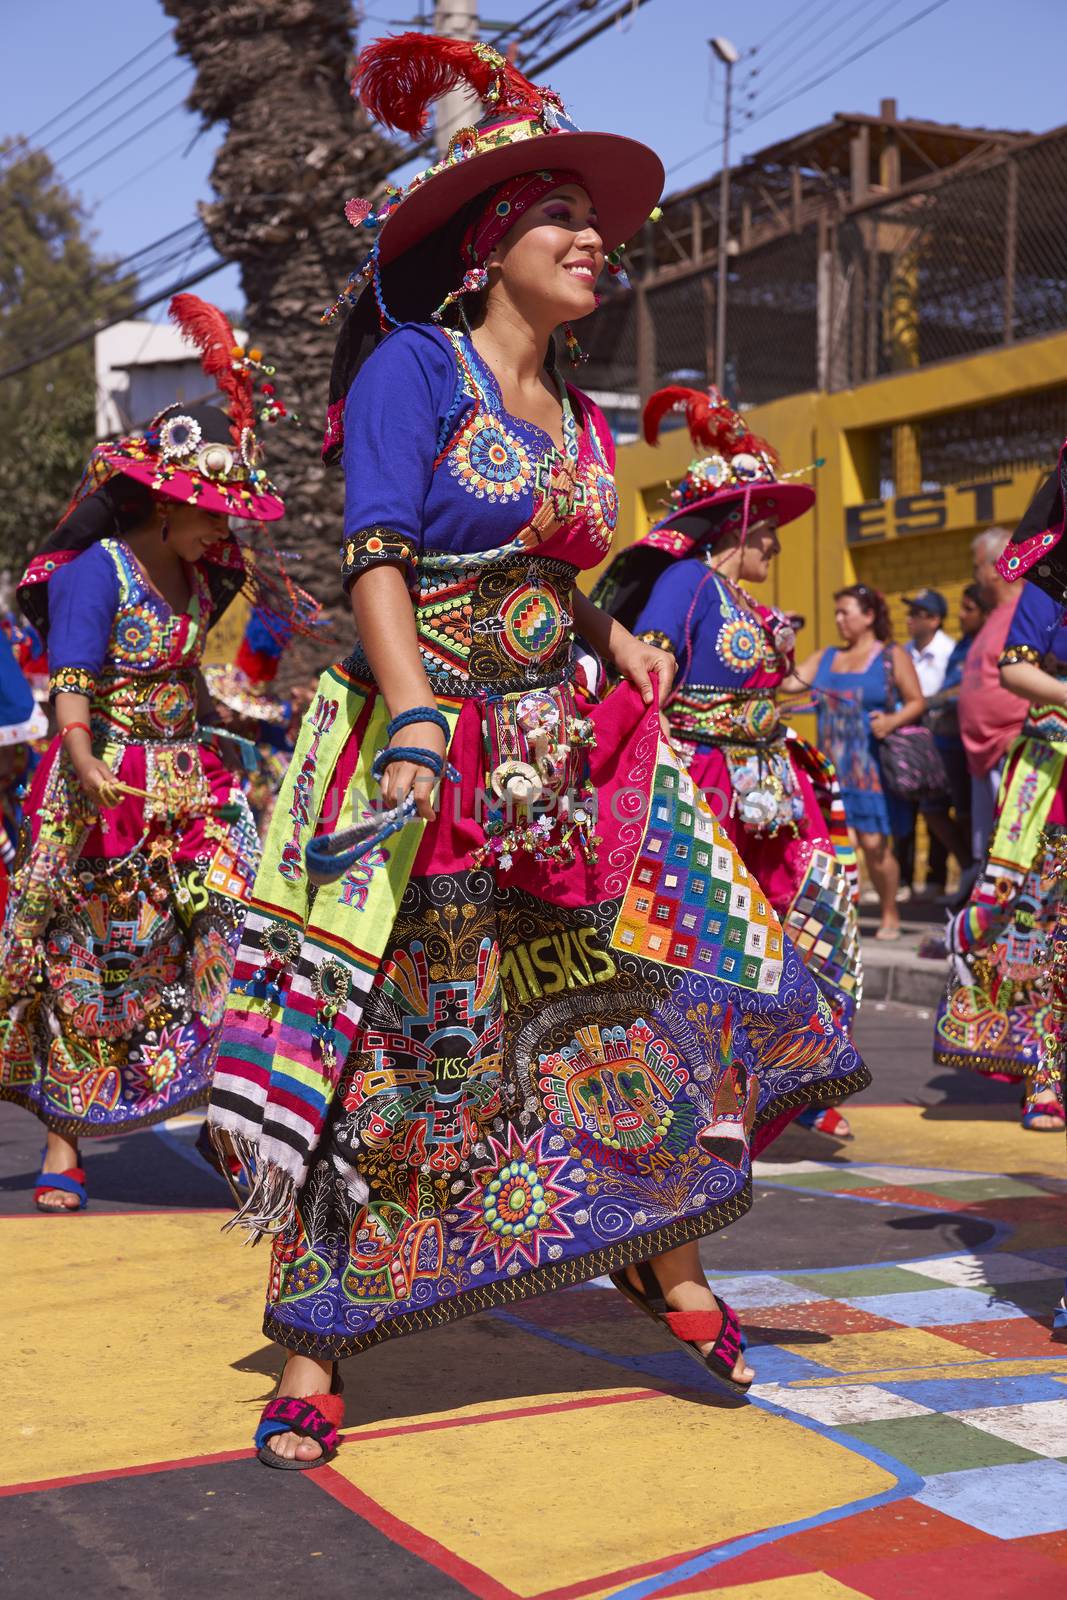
404	719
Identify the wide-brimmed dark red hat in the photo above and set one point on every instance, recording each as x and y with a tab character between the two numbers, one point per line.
734	485
525	129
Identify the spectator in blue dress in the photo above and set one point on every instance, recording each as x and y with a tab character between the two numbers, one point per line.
866	688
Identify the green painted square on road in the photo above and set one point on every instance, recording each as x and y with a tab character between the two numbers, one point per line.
991	1188
822	1180
865	1281
931	1445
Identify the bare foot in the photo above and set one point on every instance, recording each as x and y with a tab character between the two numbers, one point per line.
888	930
691	1295
59	1156
303	1375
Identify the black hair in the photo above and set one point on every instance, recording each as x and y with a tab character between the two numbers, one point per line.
872	604
412	287
976	595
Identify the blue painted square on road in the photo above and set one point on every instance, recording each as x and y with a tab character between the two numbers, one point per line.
774	1364
935	1308
1010	1502
968	1394
744	1290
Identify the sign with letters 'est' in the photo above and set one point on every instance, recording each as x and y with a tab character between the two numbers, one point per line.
958	505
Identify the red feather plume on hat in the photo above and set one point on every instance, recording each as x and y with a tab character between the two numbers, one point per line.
398	79
209	329
710	420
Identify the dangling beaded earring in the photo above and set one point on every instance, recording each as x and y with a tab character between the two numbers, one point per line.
474	280
574	350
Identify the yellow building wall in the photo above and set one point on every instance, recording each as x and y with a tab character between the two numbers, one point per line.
843	428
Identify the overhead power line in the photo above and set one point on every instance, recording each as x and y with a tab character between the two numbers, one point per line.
567	13
117	73
185	280
819	41
127	111
145	127
98	111
813	83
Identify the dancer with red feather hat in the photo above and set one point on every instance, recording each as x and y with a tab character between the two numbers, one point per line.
492	1057
138	847
683	586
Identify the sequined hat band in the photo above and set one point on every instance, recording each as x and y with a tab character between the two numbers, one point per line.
507	206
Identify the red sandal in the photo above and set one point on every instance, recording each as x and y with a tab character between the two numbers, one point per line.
312	1416
691	1328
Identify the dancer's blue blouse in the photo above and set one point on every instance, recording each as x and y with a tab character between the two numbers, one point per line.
462	474
1038	628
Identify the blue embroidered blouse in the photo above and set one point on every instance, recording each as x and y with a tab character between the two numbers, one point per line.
716	641
1038	628
434	462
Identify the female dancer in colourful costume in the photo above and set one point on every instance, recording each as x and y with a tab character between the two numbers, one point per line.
998	1016
681	587
138	848
528	1040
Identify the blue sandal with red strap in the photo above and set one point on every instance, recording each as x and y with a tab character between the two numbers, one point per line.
70	1182
312	1416
719	1328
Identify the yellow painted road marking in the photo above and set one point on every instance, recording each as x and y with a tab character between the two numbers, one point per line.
951	1137
526	1469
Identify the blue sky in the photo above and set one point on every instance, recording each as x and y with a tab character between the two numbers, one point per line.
975	62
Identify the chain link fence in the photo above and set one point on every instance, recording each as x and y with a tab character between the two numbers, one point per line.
965	261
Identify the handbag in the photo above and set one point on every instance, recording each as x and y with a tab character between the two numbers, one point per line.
912	767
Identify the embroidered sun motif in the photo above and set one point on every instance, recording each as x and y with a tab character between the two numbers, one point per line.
138	634
489	462
740	644
603	507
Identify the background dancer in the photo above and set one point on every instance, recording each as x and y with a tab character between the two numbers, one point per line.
531	1045
138	846
998	1016
682	587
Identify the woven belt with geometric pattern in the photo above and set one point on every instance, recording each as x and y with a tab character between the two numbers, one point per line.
491	624
704	714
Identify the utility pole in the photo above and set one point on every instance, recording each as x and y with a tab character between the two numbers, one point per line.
729	56
455	19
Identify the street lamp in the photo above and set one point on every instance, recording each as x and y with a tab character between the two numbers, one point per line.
729	55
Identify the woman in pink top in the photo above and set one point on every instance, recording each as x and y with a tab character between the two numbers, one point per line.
991	717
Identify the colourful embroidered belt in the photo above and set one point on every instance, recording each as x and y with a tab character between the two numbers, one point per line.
491	623
145	710
705	715
1046	722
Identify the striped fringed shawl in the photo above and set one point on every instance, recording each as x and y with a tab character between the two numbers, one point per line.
307	958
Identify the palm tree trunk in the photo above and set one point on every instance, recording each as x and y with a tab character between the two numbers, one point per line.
296	147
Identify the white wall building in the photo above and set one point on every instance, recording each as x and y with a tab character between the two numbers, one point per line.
141	367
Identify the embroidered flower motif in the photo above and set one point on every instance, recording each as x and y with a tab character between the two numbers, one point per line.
517	1203
489	462
740	644
138	634
603	507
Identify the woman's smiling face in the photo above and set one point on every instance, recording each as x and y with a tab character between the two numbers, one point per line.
553	256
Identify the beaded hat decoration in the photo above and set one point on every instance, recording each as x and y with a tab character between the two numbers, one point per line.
198	454
398	79
735	483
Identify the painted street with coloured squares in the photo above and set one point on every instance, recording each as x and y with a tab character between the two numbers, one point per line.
906	1437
